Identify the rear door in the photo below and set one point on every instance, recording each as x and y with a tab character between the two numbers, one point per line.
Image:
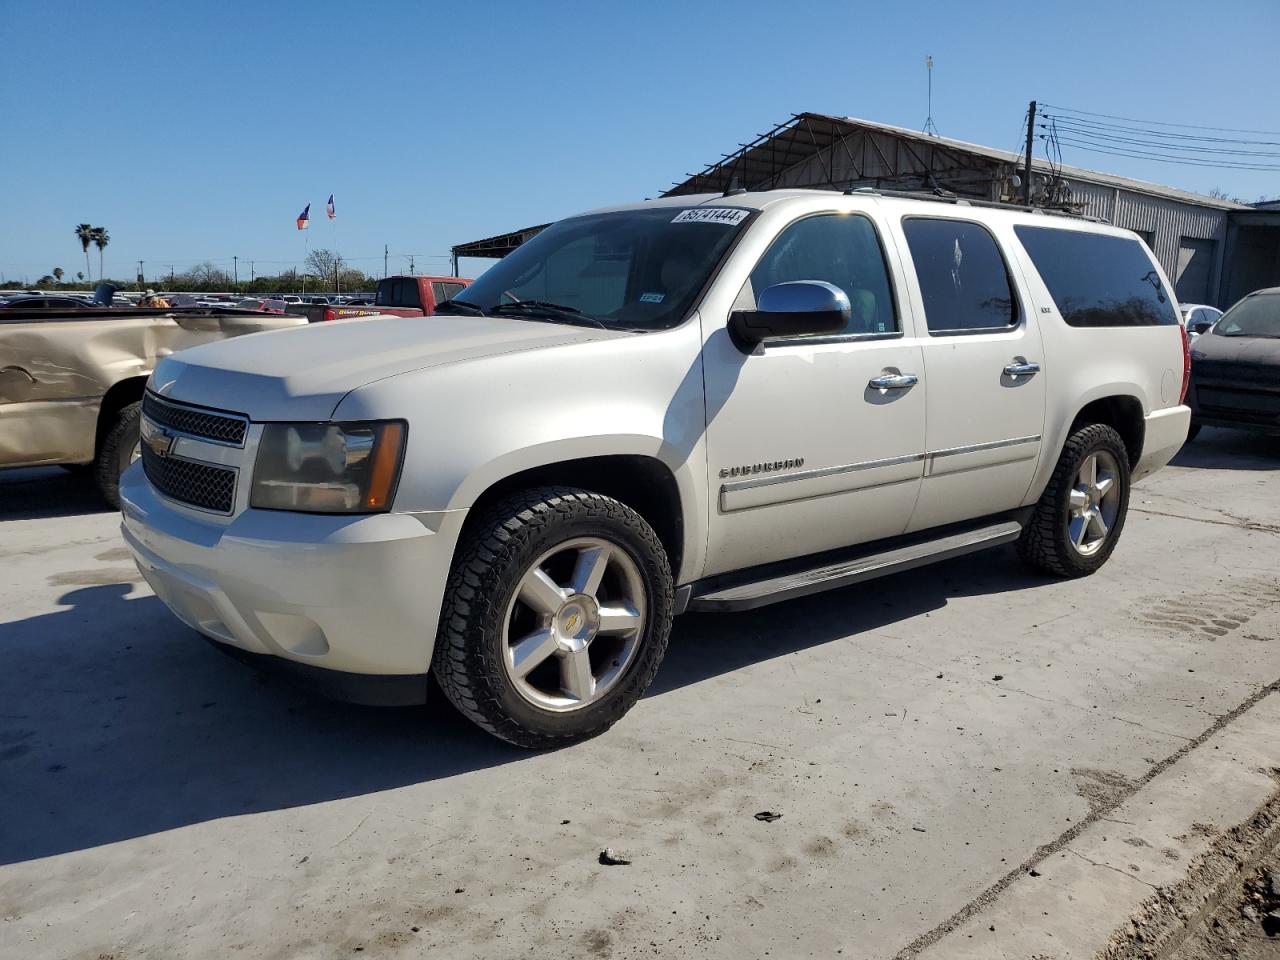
984	367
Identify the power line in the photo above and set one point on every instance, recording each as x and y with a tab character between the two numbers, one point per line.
1159	158
1141	142
1162	123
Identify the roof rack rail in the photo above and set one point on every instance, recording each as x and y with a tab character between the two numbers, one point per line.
946	196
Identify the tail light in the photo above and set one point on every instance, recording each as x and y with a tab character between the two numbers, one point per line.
1186	363
329	314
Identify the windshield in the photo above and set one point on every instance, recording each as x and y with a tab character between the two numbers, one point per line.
635	269
1255	316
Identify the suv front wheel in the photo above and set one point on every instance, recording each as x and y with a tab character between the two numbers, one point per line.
1079	517
556	616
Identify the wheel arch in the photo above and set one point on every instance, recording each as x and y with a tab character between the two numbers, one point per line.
120	395
1122	412
644	483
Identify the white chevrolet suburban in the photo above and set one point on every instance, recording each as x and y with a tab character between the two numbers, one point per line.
694	403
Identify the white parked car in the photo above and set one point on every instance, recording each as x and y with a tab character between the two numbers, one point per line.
695	403
1199	317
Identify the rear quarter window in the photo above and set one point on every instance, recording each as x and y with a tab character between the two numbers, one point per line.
1097	280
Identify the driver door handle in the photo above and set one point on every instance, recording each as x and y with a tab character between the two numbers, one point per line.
1022	368
893	381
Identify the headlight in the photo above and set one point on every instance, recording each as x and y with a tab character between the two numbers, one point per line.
328	467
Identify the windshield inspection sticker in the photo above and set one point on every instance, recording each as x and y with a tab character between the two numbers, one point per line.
652	297
727	215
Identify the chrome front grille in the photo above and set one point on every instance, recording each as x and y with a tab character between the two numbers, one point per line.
202	485
218	426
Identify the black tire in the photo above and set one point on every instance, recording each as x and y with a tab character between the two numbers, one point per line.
470	651
1193	432
115	452
1045	543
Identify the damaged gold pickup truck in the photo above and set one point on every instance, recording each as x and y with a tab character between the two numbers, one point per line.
71	380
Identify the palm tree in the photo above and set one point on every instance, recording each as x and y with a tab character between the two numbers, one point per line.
100	240
84	233
57	275
80	276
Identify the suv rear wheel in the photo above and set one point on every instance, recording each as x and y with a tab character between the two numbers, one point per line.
1078	520
556	617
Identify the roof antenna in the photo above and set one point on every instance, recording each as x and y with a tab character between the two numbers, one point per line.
929	126
733	188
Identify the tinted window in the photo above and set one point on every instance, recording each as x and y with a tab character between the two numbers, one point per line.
841	249
1098	280
452	289
633	269
962	276
397	293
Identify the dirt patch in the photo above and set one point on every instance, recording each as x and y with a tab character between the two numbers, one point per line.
114	554
1102	789
1220	908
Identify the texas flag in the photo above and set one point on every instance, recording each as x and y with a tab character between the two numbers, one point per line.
329	208
304	218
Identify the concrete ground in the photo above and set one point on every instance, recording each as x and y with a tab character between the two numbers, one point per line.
927	739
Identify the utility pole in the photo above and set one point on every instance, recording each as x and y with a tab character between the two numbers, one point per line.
251	263
170	276
235	269
411	269
141	278
384	261
1026	162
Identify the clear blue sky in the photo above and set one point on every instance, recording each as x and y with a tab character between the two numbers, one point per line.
197	130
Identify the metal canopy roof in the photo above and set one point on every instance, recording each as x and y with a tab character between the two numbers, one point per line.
820	150
499	246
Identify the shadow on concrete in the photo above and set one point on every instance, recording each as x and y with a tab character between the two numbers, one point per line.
39	492
116	721
1219	449
706	645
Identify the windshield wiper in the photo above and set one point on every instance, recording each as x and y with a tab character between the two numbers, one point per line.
555	312
464	306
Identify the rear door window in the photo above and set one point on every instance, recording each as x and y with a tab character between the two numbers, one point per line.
1098	280
963	278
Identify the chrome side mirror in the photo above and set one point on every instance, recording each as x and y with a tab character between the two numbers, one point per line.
795	309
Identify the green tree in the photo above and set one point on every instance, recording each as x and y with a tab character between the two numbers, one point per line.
80	276
57	275
100	240
84	233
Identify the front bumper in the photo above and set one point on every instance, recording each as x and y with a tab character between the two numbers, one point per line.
351	594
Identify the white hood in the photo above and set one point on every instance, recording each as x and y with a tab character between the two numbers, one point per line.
302	373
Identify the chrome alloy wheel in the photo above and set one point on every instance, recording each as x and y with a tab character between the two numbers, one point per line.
574	624
1094	503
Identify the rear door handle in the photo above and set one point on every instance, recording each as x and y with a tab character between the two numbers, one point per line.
893	381
1022	368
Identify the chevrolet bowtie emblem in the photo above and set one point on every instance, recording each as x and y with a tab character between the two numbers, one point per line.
158	440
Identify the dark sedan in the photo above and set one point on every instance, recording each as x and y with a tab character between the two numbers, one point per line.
1235	368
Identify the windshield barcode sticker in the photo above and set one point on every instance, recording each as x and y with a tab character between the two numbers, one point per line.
728	215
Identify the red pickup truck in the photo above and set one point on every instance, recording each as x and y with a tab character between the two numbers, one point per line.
400	296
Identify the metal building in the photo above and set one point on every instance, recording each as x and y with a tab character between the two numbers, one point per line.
1212	249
